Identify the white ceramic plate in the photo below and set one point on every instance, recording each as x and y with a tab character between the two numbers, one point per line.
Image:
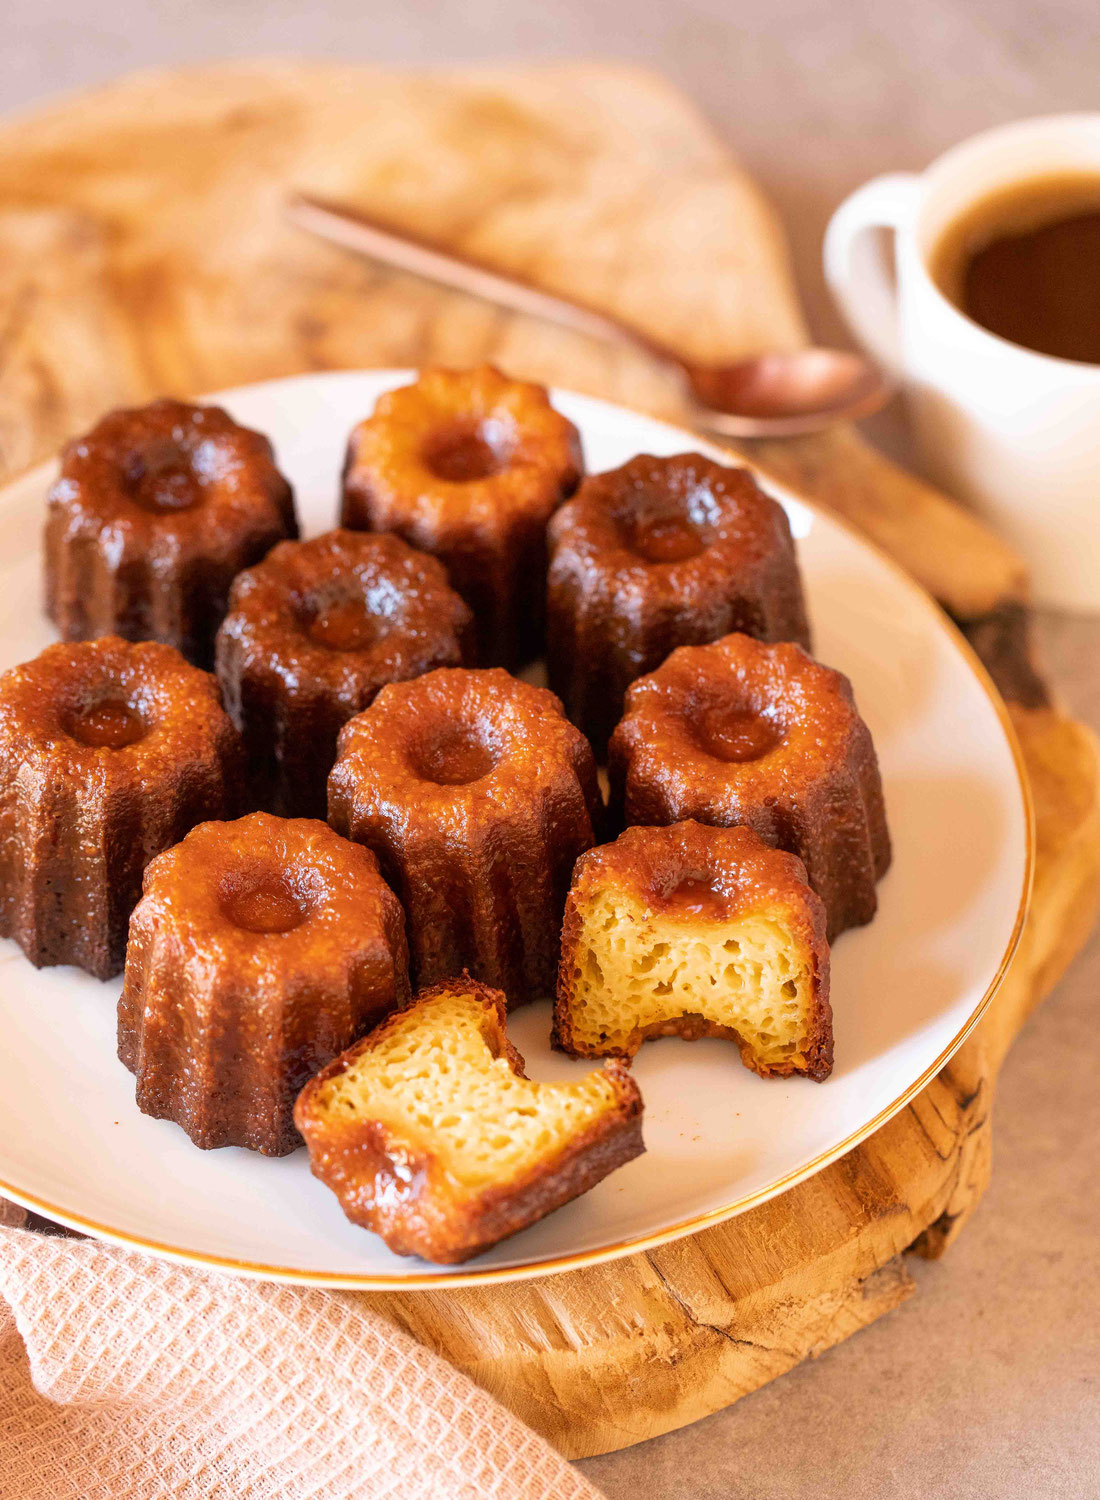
905	990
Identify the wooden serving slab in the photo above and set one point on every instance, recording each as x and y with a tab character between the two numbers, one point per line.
143	251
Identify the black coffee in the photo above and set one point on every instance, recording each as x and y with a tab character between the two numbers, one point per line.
1024	262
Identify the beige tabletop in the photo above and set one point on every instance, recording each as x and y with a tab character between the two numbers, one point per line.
987	1382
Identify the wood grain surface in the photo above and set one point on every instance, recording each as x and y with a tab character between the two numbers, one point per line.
143	251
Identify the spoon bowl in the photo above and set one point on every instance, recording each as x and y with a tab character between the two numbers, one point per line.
785	393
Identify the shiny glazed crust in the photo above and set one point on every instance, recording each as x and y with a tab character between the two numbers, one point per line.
78	822
816	793
615	611
482	866
647	865
154	512
289	693
490	531
222	1024
397	1188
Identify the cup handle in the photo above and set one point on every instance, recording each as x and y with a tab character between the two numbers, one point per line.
854	268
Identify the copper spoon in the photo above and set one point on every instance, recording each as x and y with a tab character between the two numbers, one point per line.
779	394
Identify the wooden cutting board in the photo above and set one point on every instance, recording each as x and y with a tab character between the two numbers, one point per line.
143	251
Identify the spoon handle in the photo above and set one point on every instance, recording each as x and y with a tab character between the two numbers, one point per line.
355	230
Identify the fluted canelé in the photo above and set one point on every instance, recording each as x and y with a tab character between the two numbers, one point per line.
259	951
312	633
109	752
153	514
469	465
660	553
477	795
739	732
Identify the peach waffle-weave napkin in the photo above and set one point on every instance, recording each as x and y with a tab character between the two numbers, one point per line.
127	1378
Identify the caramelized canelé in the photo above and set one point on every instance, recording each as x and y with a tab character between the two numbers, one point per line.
477	795
660	553
693	931
109	753
739	732
260	949
429	1132
153	514
313	632
469	465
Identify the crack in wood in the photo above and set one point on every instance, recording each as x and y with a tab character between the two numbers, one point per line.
702	1323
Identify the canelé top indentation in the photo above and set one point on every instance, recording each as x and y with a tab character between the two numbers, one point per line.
464	452
695	895
658	527
664	524
735	734
345	624
442	753
743	712
161	476
106	723
453	756
263	901
665	539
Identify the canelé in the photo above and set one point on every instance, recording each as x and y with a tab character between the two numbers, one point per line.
311	635
260	949
429	1132
663	552
154	512
109	753
477	795
469	465
741	732
693	931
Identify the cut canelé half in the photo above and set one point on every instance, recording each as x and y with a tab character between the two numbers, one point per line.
695	931
430	1134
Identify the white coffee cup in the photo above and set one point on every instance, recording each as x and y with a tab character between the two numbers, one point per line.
1015	433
